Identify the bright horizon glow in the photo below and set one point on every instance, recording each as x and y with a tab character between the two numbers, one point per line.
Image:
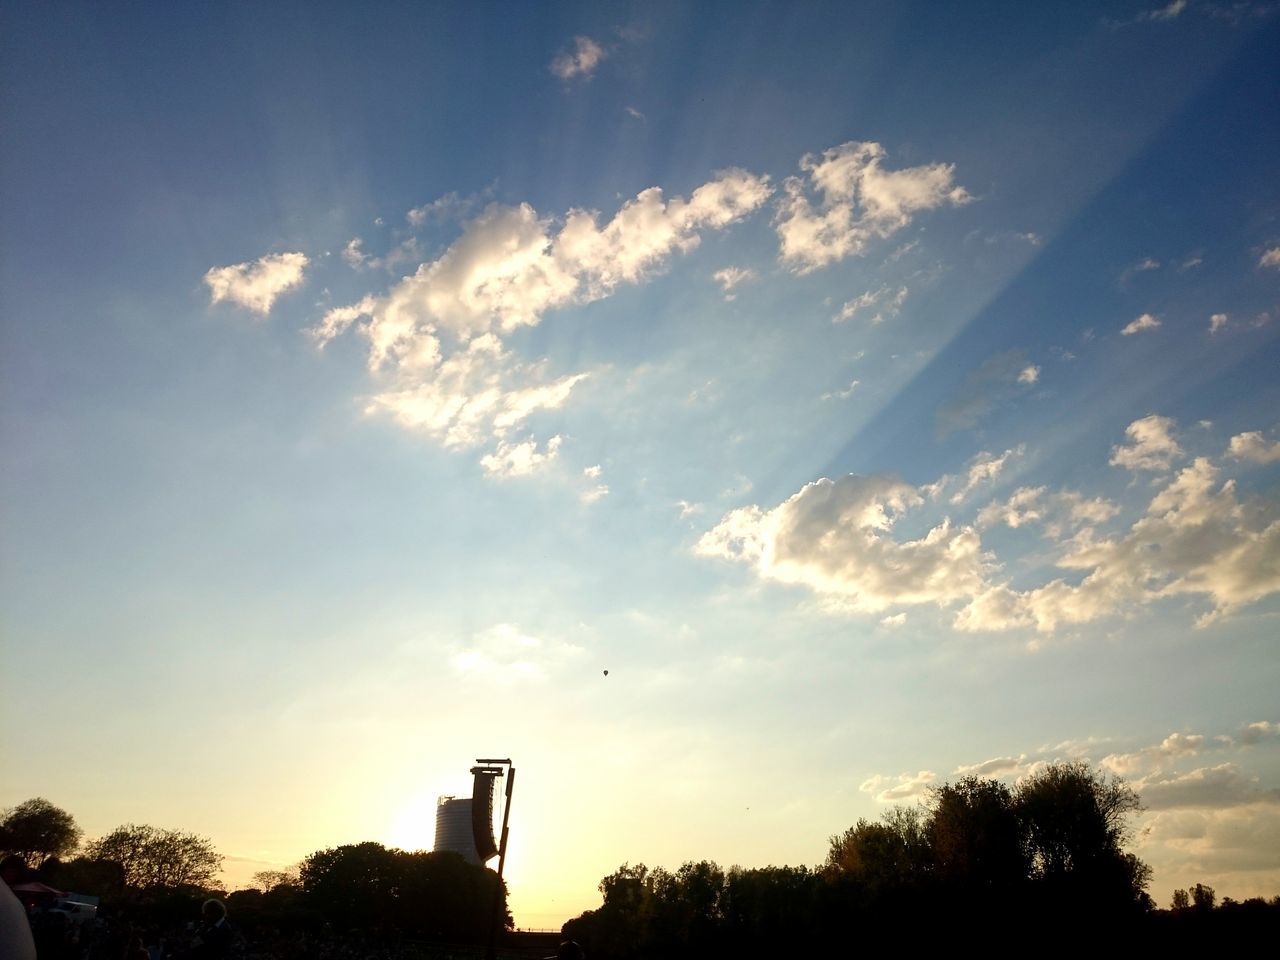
876	394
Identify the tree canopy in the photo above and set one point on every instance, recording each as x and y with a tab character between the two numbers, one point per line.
370	888
151	857
36	830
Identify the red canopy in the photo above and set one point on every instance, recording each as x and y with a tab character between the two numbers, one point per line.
36	887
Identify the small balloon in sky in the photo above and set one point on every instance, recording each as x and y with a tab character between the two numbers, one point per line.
606	673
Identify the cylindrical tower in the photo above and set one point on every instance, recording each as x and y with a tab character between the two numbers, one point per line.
453	828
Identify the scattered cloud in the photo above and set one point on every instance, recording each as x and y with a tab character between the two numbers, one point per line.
451	206
997	380
1252	447
1217	322
896	620
579	62
635	114
860	202
688	509
256	284
596	492
436	338
887	300
993	767
1142	266
1169	12
1252	734
1195	539
1056	512
905	786
834	537
1214	787
1030	374
1173	746
520	459
1144	322
730	277
507	655
1270	258
983	468
404	252
843	394
1151	445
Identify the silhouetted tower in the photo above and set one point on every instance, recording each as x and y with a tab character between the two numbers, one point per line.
453	828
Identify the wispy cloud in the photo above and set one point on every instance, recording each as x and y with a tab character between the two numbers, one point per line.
581	61
1145	322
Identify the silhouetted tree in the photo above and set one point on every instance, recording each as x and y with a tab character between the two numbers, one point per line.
151	857
1181	901
1076	821
36	830
977	837
1203	897
369	888
881	856
269	880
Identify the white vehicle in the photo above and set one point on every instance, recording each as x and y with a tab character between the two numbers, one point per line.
76	908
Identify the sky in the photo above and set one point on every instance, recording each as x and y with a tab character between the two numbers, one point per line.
879	393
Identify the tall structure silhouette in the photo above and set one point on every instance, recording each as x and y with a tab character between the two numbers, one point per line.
453	828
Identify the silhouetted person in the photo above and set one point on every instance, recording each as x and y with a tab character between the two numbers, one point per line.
214	935
16	942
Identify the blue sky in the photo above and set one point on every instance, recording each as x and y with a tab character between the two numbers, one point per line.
877	391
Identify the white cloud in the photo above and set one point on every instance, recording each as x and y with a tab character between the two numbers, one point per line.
1217	322
1142	266
1030	374
507	655
1195	539
730	277
1144	322
688	509
834	536
861	201
353	254
435	339
1271	258
902	787
1252	734
1214	787
984	468
994	767
844	393
634	113
1055	511
1173	746
1169	12
519	459
1151	445
256	284
896	620
596	492
1251	446
448	207
889	302
581	61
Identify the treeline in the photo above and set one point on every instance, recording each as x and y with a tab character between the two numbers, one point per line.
977	859
158	877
